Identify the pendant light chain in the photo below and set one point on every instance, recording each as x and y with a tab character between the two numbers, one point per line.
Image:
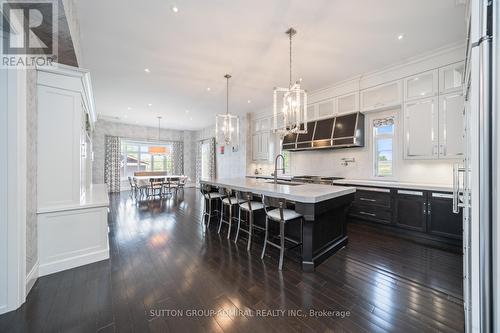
291	56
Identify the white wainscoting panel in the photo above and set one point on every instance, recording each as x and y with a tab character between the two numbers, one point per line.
68	239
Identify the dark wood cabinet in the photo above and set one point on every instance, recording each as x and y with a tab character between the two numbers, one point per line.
441	220
420	213
410	209
372	204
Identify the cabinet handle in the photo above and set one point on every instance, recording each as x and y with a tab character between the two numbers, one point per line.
369	214
366	199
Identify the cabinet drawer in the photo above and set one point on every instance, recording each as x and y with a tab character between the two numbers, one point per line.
368	212
372	197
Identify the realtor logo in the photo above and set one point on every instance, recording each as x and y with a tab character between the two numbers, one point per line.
29	32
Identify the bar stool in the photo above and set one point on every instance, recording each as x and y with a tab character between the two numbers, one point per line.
283	216
245	203
230	201
209	196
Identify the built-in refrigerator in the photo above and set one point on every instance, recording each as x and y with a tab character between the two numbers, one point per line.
476	180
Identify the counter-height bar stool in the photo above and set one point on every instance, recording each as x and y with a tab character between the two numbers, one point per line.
227	200
248	206
276	210
210	199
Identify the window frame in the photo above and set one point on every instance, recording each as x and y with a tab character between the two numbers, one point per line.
168	164
376	137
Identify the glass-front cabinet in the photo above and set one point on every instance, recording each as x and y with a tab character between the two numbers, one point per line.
421	85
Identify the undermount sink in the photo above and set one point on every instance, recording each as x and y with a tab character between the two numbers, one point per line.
282	182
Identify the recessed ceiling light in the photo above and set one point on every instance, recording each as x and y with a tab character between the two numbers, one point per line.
401	36
249	101
208	89
150	105
190	118
147	70
129	108
175	9
187	111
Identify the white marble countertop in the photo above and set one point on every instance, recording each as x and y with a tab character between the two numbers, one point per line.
306	193
281	177
396	184
95	196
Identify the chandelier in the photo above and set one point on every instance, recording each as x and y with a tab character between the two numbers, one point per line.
227	126
290	104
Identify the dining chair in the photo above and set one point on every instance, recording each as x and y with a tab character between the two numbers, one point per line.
141	187
156	187
133	187
247	204
276	211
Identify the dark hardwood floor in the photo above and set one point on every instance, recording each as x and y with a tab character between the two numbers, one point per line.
163	260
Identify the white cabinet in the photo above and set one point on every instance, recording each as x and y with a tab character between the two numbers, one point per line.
433	127
451	125
421	85
381	97
348	103
421	123
260	146
261	139
312	113
451	78
326	109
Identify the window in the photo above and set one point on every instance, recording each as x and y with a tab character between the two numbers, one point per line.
135	156
383	146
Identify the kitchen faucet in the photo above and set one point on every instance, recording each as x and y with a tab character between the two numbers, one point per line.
276	167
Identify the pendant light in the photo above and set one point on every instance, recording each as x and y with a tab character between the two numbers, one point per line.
158	150
227	126
290	104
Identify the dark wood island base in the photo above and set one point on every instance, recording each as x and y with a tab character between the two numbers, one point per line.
325	229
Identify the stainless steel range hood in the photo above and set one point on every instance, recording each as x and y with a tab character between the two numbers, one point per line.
344	131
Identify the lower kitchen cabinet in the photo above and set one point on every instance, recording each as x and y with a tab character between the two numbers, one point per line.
410	209
441	219
422	213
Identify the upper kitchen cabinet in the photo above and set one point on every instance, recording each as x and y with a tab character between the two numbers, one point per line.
433	127
421	85
451	125
381	97
451	78
261	139
348	103
326	109
421	124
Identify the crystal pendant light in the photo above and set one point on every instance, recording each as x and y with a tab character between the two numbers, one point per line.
290	104
227	126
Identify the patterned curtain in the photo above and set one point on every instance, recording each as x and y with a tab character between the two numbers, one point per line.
211	165
211	168
112	163
178	157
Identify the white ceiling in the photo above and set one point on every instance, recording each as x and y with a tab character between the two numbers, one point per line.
191	50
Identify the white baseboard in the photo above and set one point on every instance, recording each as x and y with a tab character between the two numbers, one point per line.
32	277
72	262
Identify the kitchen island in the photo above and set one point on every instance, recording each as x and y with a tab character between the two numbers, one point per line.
324	208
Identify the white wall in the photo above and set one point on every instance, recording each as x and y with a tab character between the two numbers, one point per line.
328	162
231	164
